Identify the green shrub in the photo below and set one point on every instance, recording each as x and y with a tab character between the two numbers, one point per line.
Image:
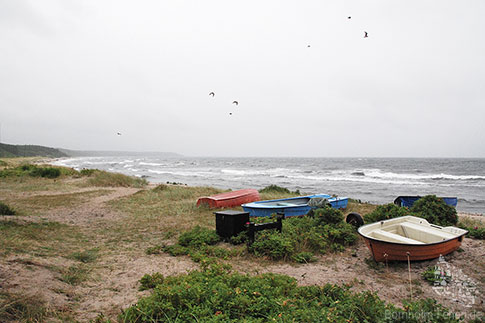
273	245
278	190
31	170
385	212
217	295
199	236
435	211
3	163
328	215
6	210
151	281
47	172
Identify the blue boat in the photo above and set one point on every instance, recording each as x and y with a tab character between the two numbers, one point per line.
408	201
293	206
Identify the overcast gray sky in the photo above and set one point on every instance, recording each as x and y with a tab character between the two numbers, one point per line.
74	73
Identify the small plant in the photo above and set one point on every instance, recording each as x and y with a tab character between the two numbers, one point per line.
436	276
6	210
151	281
75	275
87	172
85	256
435	211
476	228
304	257
22	308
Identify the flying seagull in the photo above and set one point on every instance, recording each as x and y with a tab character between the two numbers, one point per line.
365	34
308	46
118	133
349	17
212	93
235	102
230	113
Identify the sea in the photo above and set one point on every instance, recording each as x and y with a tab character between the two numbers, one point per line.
374	180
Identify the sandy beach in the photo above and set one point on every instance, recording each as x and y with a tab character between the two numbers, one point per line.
37	264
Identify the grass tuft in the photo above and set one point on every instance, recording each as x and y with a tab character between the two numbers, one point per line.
106	179
22	308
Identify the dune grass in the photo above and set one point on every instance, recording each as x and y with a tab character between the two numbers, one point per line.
39	239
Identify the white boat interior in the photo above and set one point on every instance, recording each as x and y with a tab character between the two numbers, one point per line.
409	230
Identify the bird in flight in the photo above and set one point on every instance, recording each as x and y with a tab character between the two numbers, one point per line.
235	102
308	46
365	34
212	94
230	113
349	17
118	133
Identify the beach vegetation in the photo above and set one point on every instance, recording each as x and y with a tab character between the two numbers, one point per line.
429	207
86	256
385	212
435	211
435	275
31	170
475	227
216	294
6	210
75	274
106	179
275	189
301	239
22	308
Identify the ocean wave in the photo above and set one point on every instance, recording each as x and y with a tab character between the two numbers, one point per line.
150	164
377	173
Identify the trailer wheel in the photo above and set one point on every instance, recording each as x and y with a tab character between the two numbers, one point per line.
354	219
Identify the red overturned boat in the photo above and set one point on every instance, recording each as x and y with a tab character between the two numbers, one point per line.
230	199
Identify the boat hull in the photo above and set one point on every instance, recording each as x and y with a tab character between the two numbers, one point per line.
300	207
410	237
230	199
383	250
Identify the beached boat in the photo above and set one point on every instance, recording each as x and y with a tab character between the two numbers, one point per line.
408	201
293	206
230	199
398	238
